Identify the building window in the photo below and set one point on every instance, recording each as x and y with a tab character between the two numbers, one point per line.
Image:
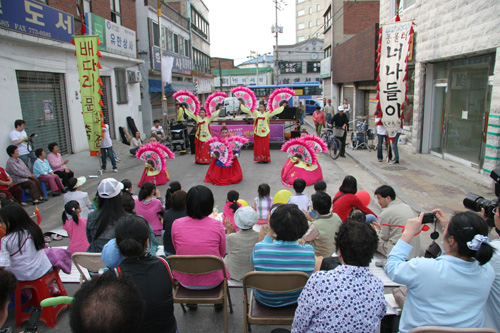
156	35
300	1
115	11
164	38
310	24
121	86
181	45
170	41
328	19
318	22
403	5
199	24
301	39
328	52
301	26
318	8
186	48
310	10
176	43
301	12
201	61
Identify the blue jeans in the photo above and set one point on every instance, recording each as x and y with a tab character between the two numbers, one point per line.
302	115
105	152
381	139
395	147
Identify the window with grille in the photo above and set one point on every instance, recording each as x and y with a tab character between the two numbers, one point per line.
115	11
121	86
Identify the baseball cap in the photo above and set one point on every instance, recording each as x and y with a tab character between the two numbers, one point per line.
109	188
245	217
340	108
80	181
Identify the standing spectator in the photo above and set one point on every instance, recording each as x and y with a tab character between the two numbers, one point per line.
347	108
321	233
107	149
180	112
75	193
22	176
329	111
20	139
381	136
157	131
395	141
76	227
346	200
10	189
339	120
240	244
349	298
283	253
198	234
176	211
57	164
44	173
301	111
393	219
101	223
319	119
149	206
135	143
262	204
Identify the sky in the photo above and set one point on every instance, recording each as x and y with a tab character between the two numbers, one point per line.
240	26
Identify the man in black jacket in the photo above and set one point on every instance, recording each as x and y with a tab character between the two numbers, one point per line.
340	120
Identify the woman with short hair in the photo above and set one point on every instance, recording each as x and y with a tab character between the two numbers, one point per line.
346	200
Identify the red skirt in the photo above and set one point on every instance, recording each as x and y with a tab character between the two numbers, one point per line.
221	176
202	155
159	179
261	149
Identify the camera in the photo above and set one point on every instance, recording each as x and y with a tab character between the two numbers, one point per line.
475	202
429	218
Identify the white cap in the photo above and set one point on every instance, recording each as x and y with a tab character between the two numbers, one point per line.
109	188
341	108
245	217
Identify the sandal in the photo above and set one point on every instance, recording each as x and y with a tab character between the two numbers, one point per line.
56	237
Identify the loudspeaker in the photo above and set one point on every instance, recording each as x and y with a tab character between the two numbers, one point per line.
295	134
288	113
222	112
191	141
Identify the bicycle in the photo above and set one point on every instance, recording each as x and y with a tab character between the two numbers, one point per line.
330	137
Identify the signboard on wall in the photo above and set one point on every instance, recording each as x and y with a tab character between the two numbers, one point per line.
313	66
114	38
181	64
230	81
326	65
290	67
34	18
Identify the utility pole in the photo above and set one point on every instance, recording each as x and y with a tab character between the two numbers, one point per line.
164	109
277	29
220	75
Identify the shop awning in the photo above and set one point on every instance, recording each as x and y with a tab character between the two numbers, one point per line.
155	86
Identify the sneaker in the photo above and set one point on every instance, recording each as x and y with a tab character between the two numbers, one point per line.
56	194
24	204
380	160
388	160
394	162
115	170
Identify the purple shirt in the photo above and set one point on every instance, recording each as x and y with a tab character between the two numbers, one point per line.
56	162
17	170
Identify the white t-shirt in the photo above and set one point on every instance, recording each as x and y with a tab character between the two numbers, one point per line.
27	264
106	141
380	128
22	148
158	130
301	200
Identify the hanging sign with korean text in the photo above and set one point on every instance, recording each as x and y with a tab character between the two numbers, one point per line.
393	49
87	57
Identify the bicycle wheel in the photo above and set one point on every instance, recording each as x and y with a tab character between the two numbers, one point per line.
335	148
324	137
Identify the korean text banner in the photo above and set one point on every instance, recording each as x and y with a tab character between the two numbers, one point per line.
277	131
394	44
87	57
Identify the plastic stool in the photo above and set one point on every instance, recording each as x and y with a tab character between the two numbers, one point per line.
27	195
39	291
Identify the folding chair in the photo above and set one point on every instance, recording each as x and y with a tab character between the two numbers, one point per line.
90	261
274	282
446	329
196	265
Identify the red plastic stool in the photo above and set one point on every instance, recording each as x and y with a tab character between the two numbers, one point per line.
39	292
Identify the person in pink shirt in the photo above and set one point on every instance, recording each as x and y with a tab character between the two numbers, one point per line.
58	165
149	206
230	208
76	227
319	119
199	234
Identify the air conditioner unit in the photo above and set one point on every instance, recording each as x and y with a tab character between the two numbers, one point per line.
134	76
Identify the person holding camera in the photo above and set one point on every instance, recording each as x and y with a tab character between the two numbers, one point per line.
492	308
20	139
452	289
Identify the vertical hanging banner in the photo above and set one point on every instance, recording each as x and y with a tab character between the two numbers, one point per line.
393	50
87	56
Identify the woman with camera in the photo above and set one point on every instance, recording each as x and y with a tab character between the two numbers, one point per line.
452	289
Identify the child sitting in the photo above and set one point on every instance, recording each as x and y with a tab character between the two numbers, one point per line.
230	208
300	199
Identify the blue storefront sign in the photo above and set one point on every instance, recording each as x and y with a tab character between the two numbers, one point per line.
180	65
36	19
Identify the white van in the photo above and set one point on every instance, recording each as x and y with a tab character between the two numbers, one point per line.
231	105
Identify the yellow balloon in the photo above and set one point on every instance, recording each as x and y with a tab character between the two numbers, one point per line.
282	196
242	202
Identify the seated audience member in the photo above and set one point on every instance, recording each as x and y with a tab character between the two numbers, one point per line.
451	290
135	143
240	244
44	173
157	131
319	186
101	223
177	210
349	298
9	189
492	308
75	193
199	234
392	221
108	304
346	200
8	285
230	208
171	189
58	165
150	274
299	198
284	253
22	176
149	206
321	233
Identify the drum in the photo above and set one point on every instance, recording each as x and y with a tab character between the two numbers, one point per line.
361	126
358	138
371	134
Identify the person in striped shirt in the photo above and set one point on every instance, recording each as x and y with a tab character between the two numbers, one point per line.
284	253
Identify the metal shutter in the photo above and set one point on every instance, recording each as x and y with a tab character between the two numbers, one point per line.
108	105
44	109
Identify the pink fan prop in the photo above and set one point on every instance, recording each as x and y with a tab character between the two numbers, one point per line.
236	142
318	144
189	98
219	147
155	152
212	101
247	95
278	95
301	147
